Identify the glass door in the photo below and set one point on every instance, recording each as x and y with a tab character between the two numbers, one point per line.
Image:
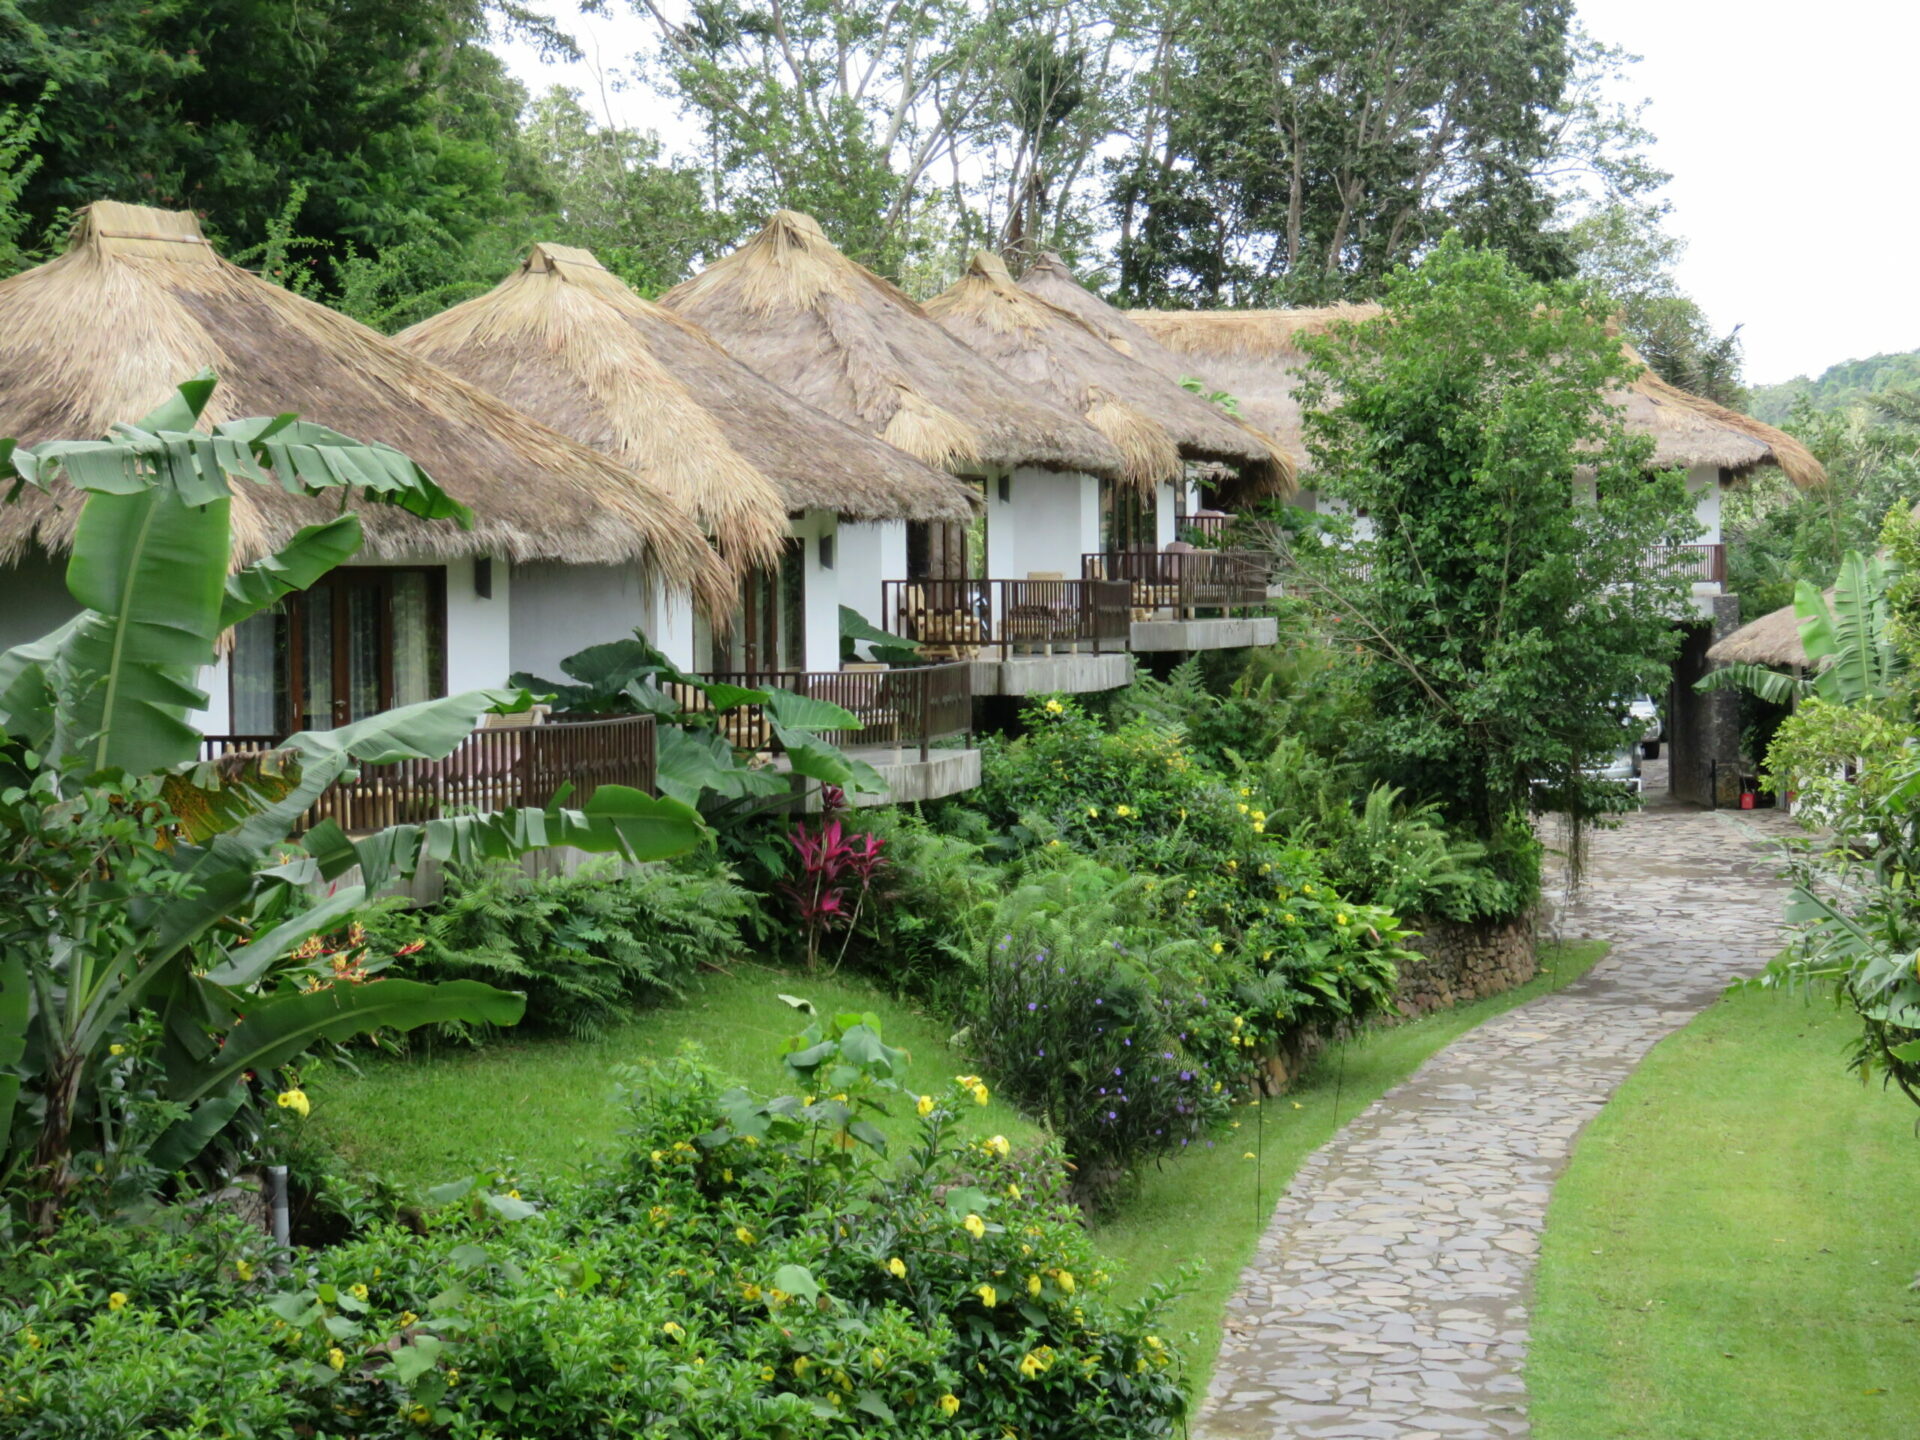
358	642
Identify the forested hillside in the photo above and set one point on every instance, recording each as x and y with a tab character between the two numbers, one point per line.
1840	387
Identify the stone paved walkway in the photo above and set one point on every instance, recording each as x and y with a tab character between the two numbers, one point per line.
1389	1296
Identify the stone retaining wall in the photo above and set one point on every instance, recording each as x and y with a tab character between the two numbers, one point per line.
1460	963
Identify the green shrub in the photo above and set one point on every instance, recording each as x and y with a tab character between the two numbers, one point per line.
746	1267
585	947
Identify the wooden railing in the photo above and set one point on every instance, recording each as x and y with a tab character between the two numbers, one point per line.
899	709
495	768
1184	581
1700	563
962	619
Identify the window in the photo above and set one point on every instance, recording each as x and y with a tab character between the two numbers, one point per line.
359	642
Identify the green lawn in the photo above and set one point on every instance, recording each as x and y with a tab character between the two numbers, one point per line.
1212	1204
546	1103
1728	1254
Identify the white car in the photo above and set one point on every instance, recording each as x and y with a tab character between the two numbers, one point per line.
1641	711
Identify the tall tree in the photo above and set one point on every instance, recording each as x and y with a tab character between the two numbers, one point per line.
393	112
1502	618
1298	150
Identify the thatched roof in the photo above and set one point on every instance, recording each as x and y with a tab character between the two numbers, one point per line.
1268	475
1255	355
1154	424
140	302
838	336
1773	639
564	339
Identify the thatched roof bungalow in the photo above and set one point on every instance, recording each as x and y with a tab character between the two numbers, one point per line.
1773	639
140	301
1262	472
1256	356
815	323
1156	425
565	339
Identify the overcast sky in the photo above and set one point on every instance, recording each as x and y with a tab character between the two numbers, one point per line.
1786	126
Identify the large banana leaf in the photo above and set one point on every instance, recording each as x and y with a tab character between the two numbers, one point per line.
1850	646
280	1028
300	563
1776	687
150	571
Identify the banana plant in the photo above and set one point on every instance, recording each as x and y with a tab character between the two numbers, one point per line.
1851	655
137	880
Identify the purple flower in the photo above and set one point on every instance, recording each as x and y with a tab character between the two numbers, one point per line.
1033	1004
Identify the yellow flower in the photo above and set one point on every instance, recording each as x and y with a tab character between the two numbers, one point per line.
989	1297
1153	1342
1013	1191
1123	811
337	1358
1218	947
924	1105
1033	1286
117	1300
1054	707
1242	808
420	1415
1339	919
1064	1279
743	1235
974	1226
897	1268
1306	890
1053	844
749	1293
800	1365
296	1101
407	1317
766	1372
1093	812
997	1145
1247	1156
1290	918
359	1292
1233	864
658	1156
1245	791
673	1330
116	1049
1260	815
726	1176
243	1269
949	1404
1030	1366
980	1096
1192	893
1259	828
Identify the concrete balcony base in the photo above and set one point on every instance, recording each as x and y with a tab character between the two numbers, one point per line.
1159	637
1075	673
908	777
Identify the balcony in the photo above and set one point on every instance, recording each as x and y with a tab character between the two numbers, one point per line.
1023	637
498	767
1185	600
902	714
1702	564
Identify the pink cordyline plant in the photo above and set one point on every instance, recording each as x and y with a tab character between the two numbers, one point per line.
832	863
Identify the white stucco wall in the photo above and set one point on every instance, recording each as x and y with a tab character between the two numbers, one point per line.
33	598
1703	483
1165	528
479	629
559	609
870	552
1049	519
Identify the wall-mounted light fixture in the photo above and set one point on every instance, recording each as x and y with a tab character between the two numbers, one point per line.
1006	489
483	577
826	552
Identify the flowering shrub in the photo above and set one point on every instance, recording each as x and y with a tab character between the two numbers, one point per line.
746	1268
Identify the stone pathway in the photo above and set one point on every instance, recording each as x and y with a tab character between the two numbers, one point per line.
1389	1296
